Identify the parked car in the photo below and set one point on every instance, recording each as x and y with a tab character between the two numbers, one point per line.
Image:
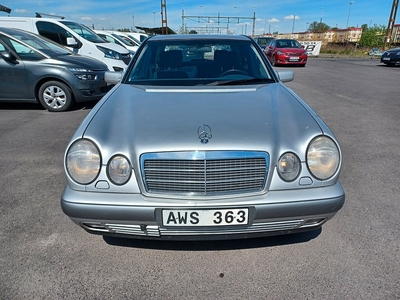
140	36
391	57
77	37
34	69
286	52
205	148
263	41
113	38
128	38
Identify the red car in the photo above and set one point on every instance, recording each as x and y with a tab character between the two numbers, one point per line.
286	52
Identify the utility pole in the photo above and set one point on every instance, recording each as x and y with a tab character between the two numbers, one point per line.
164	26
392	19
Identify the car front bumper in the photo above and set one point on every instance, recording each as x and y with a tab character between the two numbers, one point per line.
288	60
390	60
90	90
136	216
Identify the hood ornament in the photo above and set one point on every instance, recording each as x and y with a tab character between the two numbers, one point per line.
204	132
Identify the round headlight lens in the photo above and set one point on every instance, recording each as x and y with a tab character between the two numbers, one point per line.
323	157
83	161
119	170
289	166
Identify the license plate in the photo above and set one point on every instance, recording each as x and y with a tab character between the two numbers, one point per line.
386	58
295	58
205	217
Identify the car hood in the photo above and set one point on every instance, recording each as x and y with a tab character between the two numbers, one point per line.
394	50
76	60
133	120
114	47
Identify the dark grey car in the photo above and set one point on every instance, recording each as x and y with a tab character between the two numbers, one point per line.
263	41
34	69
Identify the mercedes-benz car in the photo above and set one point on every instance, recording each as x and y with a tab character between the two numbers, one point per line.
201	139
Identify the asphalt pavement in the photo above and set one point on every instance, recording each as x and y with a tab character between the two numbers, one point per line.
43	255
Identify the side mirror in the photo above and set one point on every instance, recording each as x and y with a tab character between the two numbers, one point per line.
286	76
112	77
7	56
71	42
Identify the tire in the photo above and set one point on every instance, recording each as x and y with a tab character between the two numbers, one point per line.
273	62
55	96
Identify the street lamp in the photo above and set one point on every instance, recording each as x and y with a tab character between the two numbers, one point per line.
154	19
322	14
294	19
348	16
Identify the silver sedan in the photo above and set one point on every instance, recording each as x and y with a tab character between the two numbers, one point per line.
201	139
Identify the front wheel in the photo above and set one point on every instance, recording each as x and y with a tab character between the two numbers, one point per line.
55	96
273	62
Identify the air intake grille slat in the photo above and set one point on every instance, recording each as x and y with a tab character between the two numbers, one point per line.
240	172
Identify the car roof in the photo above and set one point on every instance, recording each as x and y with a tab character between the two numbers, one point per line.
13	30
198	37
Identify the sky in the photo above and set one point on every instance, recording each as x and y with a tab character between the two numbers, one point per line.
271	16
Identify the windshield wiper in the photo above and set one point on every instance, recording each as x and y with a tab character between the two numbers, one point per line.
242	81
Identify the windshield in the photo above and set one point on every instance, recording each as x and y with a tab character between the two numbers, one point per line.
46	46
198	62
264	41
287	44
84	32
121	40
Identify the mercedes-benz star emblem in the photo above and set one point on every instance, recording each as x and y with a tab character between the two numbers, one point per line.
204	133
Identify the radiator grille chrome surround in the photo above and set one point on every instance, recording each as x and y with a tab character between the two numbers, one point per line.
204	173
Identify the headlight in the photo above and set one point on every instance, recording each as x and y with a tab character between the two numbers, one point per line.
83	161
119	170
289	166
83	74
323	157
280	53
110	53
80	70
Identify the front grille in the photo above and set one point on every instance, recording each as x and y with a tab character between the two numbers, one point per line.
205	173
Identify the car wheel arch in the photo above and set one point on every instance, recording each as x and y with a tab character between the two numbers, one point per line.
63	85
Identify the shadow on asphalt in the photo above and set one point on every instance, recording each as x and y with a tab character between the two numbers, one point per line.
20	106
249	243
38	107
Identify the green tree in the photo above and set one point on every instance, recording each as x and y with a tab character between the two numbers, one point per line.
318	26
372	36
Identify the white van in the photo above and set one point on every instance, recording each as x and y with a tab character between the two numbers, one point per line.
139	36
75	36
135	37
111	37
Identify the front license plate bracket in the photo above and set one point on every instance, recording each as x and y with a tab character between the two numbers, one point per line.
205	217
